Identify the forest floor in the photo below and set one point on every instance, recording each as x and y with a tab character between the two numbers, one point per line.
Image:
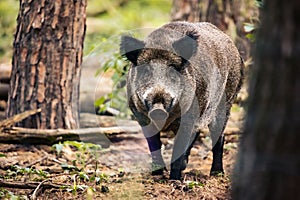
120	170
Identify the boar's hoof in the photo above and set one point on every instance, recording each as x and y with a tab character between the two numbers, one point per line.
157	169
157	172
175	175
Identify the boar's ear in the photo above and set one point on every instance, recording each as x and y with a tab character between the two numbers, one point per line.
131	48
186	46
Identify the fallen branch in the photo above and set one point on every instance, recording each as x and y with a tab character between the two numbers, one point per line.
29	185
38	189
98	135
37	161
17	135
17	118
80	132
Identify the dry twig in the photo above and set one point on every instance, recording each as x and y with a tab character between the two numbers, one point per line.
28	185
38	189
7	123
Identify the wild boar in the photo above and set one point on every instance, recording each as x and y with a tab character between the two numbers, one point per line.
183	77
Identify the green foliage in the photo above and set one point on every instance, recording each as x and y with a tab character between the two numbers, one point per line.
83	147
104	19
83	179
16	170
250	28
193	184
75	187
108	18
230	145
259	3
117	15
117	98
83	151
235	108
5	194
8	16
58	148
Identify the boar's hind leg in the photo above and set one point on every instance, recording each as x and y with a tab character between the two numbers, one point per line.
187	153
216	128
217	165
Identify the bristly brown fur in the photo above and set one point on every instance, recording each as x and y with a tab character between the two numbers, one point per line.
194	72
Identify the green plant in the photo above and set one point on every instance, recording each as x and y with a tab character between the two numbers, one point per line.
75	186
117	15
84	151
8	16
58	148
230	146
83	146
16	170
192	184
250	28
97	179
117	98
6	194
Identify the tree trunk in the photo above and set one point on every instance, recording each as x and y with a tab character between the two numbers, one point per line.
227	15
220	13
269	159
185	10
46	62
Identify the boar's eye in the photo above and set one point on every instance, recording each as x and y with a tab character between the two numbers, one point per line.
143	71
176	67
173	75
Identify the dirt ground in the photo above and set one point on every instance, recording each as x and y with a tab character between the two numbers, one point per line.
75	170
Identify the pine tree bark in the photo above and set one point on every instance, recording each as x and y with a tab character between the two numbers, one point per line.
46	64
227	15
269	159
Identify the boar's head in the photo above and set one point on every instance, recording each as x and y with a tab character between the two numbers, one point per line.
160	83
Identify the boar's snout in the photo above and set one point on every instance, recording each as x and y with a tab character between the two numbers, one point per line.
158	113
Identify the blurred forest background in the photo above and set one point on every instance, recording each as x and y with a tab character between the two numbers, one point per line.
108	18
104	19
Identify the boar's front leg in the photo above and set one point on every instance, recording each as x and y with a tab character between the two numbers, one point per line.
182	146
154	143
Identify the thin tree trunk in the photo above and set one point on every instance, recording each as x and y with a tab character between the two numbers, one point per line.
47	56
185	10
227	15
269	159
